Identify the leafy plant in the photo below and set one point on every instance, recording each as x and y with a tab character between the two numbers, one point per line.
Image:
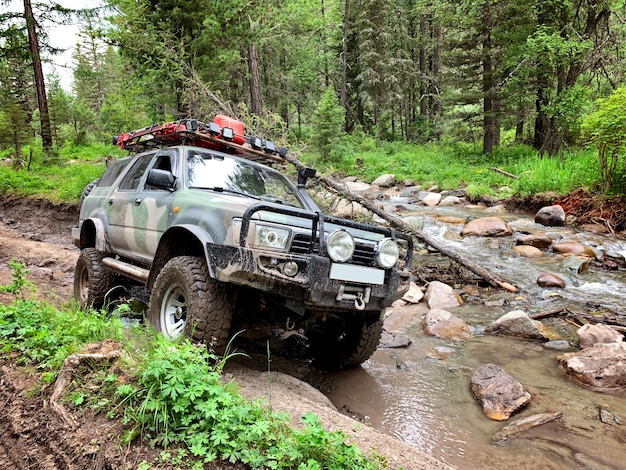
19	284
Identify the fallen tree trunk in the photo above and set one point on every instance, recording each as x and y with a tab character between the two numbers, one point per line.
399	224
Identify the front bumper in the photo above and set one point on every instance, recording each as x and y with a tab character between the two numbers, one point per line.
317	283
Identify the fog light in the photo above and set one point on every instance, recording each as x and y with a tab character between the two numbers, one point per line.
290	269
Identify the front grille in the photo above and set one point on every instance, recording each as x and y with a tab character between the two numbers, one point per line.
363	252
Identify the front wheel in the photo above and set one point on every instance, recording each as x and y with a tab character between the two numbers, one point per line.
92	280
349	346
186	300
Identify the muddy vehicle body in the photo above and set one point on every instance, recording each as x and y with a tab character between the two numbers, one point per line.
219	239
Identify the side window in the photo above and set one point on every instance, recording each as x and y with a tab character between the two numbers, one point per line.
133	177
113	171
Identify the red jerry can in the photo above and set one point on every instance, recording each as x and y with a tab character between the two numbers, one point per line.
237	127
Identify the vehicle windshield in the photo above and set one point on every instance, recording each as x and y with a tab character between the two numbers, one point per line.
215	172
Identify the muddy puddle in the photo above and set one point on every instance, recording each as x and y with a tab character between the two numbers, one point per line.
421	394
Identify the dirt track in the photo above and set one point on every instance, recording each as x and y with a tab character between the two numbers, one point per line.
33	436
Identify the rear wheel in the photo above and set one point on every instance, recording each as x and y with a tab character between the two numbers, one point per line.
349	346
92	280
186	300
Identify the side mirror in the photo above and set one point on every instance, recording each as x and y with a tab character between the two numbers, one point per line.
161	179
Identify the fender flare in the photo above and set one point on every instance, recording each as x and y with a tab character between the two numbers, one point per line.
99	241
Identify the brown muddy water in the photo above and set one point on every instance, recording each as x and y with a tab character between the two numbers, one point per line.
422	395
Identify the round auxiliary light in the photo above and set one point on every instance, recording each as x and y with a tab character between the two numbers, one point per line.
340	246
290	269
387	253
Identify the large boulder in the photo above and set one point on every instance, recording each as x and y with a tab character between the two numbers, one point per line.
443	324
499	393
590	335
441	296
551	216
601	367
519	325
487	227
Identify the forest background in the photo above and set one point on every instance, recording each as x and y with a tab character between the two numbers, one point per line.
442	92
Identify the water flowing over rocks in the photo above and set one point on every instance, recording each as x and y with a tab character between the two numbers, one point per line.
443	324
441	296
517	324
551	216
487	227
499	393
523	424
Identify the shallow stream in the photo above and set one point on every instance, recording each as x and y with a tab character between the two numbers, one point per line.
422	395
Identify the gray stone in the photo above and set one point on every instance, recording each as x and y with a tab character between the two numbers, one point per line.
551	216
450	201
523	424
519	325
499	393
431	199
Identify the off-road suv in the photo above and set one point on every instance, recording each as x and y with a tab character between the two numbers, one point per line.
216	235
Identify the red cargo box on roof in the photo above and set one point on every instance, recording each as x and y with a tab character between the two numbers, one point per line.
237	127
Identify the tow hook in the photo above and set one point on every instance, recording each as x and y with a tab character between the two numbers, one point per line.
359	303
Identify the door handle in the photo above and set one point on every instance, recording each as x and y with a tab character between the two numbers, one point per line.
137	201
111	202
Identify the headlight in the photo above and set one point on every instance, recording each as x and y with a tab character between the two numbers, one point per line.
271	237
340	246
387	253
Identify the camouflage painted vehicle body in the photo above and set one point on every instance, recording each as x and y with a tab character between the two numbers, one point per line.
255	242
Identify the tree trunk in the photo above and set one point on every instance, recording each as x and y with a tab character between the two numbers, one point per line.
399	224
256	104
344	56
40	85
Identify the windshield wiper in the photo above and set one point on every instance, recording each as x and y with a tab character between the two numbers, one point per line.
220	189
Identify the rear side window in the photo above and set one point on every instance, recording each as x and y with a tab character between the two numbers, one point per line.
112	172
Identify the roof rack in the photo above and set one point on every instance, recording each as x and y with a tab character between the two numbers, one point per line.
228	137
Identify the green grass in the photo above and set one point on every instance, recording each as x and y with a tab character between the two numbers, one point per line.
461	166
168	394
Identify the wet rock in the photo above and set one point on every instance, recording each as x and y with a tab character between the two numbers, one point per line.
471	290
601	367
443	324
487	227
431	199
540	241
385	181
440	352
414	295
579	264
550	280
450	201
411	192
559	345
450	220
577	249
551	216
589	335
607	417
440	295
527	251
499	393
519	325
391	340
523	424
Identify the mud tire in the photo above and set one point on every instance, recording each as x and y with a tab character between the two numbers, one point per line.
351	346
185	299
92	280
88	189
